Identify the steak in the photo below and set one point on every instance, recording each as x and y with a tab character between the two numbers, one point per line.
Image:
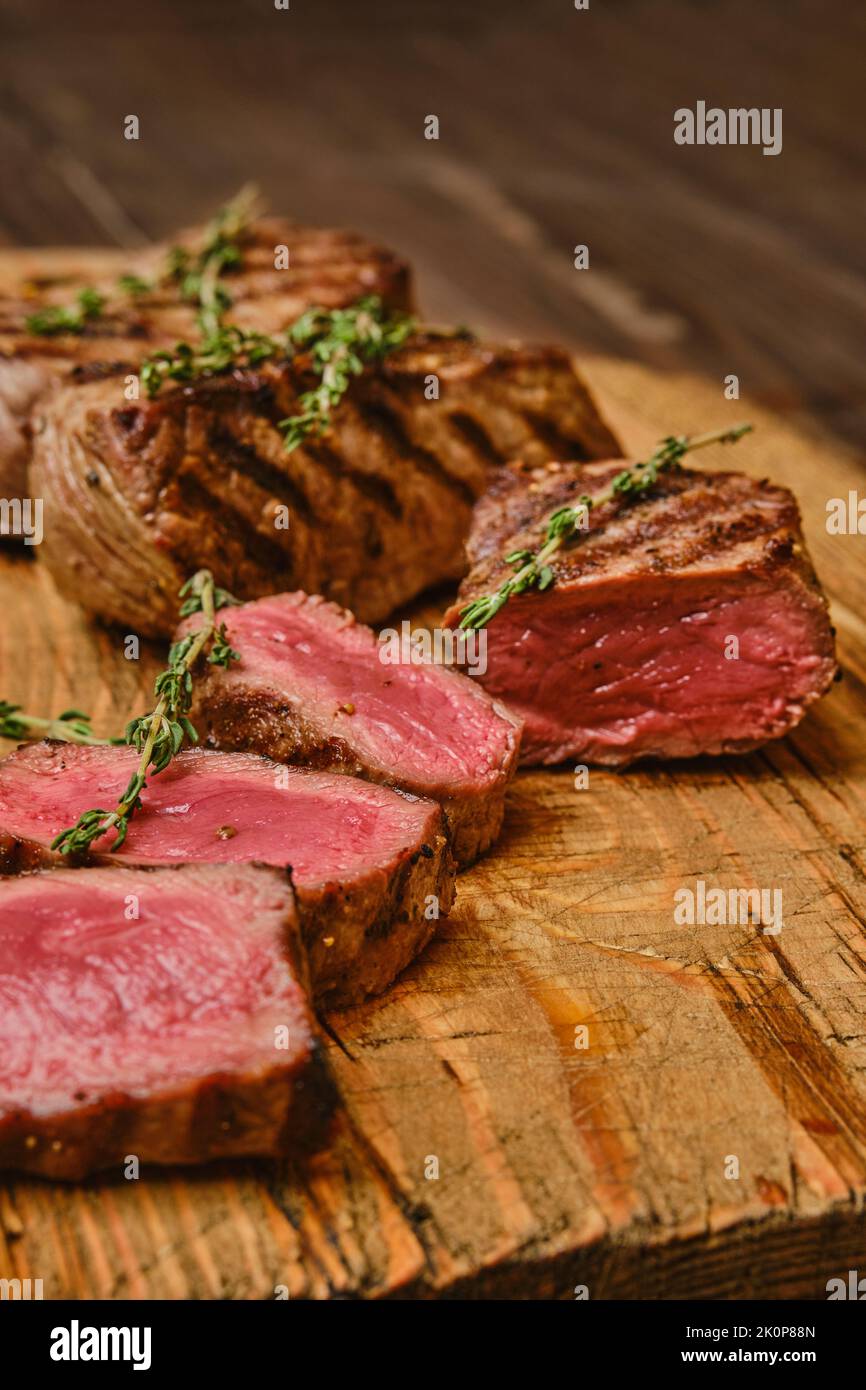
138	496
310	687
327	268
154	1013
371	867
687	622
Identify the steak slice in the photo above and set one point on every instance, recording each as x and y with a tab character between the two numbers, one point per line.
138	496
310	687
366	861
151	1012
326	267
630	653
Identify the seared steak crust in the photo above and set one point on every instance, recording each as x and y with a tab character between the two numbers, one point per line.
137	496
224	1117
684	523
309	688
328	268
623	657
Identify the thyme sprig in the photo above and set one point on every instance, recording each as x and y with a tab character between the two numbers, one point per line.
230	347
340	343
159	736
135	285
337	344
197	274
566	523
67	318
72	726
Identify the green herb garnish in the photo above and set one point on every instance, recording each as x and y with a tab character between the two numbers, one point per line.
566	523
72	726
60	318
160	735
228	348
198	275
134	285
339	344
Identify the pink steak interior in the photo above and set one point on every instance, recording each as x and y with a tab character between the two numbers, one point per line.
418	723
218	808
645	670
93	1002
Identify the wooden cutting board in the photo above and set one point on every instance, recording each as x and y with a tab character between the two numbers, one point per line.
710	1050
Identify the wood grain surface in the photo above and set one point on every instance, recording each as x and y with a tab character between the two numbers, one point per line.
558	1166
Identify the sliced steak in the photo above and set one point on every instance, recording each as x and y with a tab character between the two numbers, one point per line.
327	268
366	862
688	622
311	688
136	497
150	1012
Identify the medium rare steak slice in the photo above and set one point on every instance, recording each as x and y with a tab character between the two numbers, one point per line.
688	622
137	496
366	861
150	1012
327	268
310	687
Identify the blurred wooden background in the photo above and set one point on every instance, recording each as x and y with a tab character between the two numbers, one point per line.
556	129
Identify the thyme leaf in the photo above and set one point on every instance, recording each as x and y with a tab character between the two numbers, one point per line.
72	726
134	285
565	524
160	735
64	318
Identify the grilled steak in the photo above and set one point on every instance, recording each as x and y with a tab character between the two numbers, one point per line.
688	622
136	497
329	268
154	1013
310	687
366	861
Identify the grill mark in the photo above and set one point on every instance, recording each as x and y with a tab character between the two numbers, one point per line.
559	446
304	275
376	489
382	419
260	471
476	436
690	515
329	267
326	271
98	331
59	353
712	525
200	501
99	371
